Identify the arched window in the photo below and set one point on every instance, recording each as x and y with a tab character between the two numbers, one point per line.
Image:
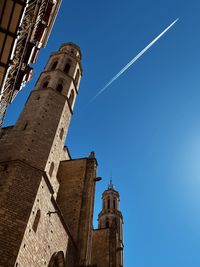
51	169
53	67
59	88
57	260
45	84
71	98
67	68
61	133
36	221
77	77
114	204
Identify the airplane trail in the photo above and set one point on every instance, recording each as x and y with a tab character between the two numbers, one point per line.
132	61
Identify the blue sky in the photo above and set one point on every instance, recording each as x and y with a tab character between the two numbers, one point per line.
145	128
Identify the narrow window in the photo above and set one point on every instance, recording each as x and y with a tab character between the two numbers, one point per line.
71	98
36	221
108	203
61	133
114	203
107	224
59	88
77	77
54	65
51	169
25	126
67	68
45	84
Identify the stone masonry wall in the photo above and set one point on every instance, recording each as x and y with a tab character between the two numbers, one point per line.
18	188
50	236
76	200
71	176
100	247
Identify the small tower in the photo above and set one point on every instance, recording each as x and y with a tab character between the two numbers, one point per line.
110	226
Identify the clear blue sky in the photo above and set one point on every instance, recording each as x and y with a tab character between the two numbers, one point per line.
145	129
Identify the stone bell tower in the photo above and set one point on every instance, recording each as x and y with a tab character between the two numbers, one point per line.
30	154
108	238
39	135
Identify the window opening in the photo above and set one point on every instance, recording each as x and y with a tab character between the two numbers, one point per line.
61	133
107	224
108	203
67	68
45	84
25	126
59	88
36	221
54	65
51	169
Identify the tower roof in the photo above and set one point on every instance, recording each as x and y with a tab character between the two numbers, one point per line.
73	45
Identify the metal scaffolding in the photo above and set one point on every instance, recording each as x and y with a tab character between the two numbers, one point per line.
24	28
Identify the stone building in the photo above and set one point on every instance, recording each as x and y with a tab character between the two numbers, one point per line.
46	197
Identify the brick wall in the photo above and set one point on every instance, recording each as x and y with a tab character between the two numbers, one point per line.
38	246
100	247
76	200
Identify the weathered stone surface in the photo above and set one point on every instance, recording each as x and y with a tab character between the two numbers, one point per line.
47	198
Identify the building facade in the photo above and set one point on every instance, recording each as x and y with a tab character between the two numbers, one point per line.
25	26
46	197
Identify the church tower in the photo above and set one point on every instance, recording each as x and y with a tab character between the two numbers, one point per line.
108	238
33	229
46	197
39	135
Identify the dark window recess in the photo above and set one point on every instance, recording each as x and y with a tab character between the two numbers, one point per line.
59	88
25	126
107	224
67	68
61	133
108	203
54	65
51	169
114	204
36	221
71	98
45	84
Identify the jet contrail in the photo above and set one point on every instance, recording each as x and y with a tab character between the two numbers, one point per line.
132	61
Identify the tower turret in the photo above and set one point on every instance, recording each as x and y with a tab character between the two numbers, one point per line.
111	218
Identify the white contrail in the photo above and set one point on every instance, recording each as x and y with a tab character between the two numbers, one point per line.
132	61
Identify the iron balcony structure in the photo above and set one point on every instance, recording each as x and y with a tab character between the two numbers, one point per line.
25	26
